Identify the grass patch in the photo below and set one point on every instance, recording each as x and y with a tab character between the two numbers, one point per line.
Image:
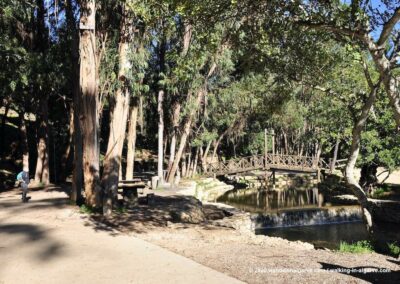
358	247
394	249
120	210
84	209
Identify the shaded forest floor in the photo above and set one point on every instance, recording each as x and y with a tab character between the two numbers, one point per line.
250	258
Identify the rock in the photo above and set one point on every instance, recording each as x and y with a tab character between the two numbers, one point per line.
385	210
213	212
189	210
210	190
344	199
241	222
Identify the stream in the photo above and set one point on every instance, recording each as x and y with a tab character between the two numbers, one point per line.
303	215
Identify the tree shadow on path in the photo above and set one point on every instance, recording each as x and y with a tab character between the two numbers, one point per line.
32	235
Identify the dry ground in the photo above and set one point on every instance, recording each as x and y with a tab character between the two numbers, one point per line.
55	227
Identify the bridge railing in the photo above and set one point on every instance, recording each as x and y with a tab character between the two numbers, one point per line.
289	162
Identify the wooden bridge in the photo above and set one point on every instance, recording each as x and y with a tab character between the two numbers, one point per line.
269	161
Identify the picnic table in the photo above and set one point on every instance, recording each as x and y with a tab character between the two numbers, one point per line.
130	191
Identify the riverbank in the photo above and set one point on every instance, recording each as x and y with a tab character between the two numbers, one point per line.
261	259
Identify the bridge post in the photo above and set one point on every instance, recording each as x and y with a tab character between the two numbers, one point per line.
273	178
265	147
273	146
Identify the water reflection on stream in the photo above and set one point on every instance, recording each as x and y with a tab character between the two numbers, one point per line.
301	215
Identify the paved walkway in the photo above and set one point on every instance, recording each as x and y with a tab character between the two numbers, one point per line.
47	241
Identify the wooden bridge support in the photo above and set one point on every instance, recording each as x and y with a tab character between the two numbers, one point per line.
273	179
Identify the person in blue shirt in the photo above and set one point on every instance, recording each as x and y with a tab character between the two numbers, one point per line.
23	179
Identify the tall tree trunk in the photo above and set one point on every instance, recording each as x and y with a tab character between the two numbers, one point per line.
119	118
186	131
133	117
187	36
89	109
24	143
3	125
204	158
67	151
160	112
160	136
42	172
335	155
195	162
354	151
77	172
175	126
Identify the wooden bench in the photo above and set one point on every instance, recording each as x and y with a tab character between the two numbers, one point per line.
130	191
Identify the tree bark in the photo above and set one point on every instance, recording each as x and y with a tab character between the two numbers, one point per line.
204	158
68	146
175	126
160	157
77	172
130	163
24	143
186	131
89	116
335	155
119	118
3	125
196	159
354	151
42	172
160	112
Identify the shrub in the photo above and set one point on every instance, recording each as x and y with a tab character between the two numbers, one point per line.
358	247
84	209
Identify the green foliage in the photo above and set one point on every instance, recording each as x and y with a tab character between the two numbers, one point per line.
120	210
358	247
394	249
85	209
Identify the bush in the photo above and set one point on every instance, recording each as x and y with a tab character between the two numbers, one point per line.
394	249
358	247
84	209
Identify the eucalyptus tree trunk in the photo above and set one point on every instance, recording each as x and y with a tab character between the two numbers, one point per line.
3	125
187	37
119	117
89	116
77	172
204	157
175	126
335	155
130	160
42	172
195	162
68	146
186	131
160	112
354	151
24	143
160	153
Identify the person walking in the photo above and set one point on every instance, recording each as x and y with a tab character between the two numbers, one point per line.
23	179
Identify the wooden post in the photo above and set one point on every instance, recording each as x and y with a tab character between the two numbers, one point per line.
273	179
273	145
265	147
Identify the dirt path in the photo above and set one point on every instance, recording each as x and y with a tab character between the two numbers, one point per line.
47	241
